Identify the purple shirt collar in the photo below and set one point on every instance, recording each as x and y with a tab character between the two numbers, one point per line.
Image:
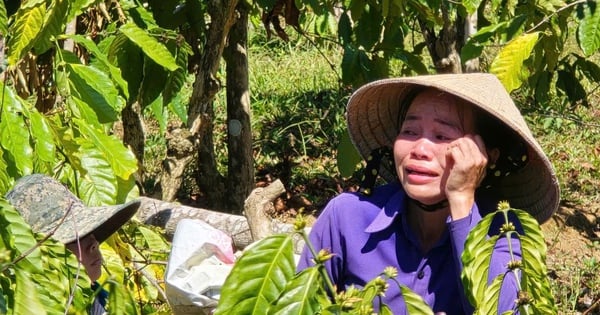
388	213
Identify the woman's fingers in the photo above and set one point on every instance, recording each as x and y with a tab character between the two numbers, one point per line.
466	162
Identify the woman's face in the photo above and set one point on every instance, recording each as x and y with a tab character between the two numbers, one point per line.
88	253
432	122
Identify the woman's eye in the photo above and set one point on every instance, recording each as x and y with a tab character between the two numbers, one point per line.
443	138
408	132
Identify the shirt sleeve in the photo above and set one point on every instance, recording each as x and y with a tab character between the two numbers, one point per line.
325	234
459	230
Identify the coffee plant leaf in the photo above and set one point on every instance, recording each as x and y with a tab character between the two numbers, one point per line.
95	88
3	19
121	160
120	300
258	277
414	302
24	30
14	134
150	46
18	238
489	303
588	32
104	63
508	64
41	131
55	19
302	295
26	296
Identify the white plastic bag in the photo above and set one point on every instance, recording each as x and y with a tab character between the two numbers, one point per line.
201	258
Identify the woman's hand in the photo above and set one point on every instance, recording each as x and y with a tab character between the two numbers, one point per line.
466	160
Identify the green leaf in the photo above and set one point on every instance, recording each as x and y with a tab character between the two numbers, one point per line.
130	60
415	63
301	294
414	302
385	310
97	185
113	251
488	304
178	106
115	72
549	7
368	294
476	257
351	67
127	189
152	239
60	266
542	87
368	29
177	78
356	8
392	39
42	136
477	269
166	14
25	29
426	11
151	47
3	20
27	299
474	46
18	238
159	112
476	236
139	15
14	133
541	308
508	64
347	156
121	159
153	83
5	179
258	277
79	6
120	301
55	22
345	29
82	110
95	88
471	5
588	31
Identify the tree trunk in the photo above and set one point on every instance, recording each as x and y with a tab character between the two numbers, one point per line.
200	113
443	46
134	137
470	28
240	174
254	225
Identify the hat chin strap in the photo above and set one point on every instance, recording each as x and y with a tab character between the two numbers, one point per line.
433	207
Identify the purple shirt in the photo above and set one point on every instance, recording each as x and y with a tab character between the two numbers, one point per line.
369	233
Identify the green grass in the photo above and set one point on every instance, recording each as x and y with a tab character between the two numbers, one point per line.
297	115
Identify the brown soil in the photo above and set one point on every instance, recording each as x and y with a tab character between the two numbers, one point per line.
573	257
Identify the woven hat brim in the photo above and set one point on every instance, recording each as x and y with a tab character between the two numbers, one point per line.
372	117
100	221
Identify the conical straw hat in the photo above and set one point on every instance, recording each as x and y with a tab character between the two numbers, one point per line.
372	115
